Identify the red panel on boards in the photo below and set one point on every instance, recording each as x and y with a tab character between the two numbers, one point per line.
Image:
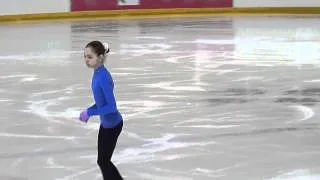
186	3
94	5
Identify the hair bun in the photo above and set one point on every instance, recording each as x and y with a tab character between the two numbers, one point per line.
106	46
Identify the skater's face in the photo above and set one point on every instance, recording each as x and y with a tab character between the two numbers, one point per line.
92	60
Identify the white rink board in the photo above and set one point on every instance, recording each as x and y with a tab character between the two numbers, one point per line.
128	2
275	3
15	7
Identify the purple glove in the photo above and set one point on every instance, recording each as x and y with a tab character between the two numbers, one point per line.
84	116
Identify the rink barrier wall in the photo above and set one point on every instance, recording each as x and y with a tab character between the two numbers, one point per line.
275	3
97	5
16	7
159	12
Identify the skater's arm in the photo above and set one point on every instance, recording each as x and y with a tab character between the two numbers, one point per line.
94	106
110	106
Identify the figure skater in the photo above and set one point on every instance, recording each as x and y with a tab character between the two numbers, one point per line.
105	106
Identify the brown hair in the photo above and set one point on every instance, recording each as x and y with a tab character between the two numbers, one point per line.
99	48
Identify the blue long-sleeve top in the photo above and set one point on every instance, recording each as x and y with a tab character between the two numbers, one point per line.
105	106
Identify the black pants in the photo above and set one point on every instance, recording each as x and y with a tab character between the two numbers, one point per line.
107	140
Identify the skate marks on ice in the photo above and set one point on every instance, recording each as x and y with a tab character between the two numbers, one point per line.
187	100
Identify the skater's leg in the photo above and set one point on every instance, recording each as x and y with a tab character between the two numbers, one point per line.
107	140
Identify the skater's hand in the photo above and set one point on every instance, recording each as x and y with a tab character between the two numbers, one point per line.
84	116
